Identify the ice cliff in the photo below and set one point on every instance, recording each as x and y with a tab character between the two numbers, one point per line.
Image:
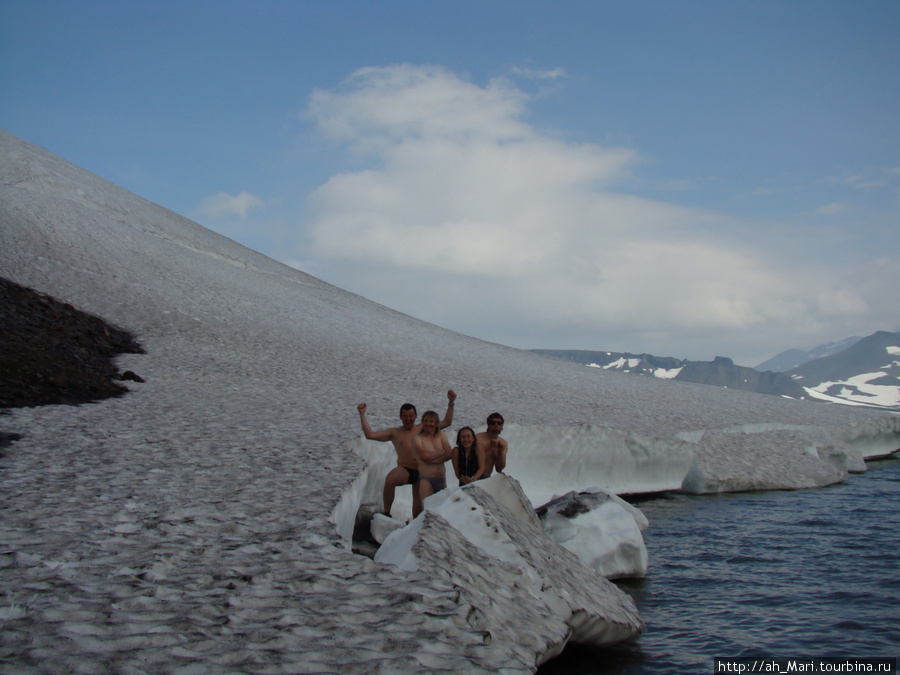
200	522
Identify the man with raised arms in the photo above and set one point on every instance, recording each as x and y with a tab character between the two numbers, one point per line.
432	450
492	445
407	470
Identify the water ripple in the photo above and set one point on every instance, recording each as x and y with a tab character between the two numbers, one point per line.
779	574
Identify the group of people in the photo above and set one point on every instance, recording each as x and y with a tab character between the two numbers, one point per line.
423	449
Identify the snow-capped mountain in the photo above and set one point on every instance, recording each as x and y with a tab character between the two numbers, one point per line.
855	371
866	373
720	372
794	358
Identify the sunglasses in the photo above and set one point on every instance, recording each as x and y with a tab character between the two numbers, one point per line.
495	423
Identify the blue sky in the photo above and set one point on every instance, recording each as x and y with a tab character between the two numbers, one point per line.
685	178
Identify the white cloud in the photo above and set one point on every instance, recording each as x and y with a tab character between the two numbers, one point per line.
867	178
539	74
471	218
224	204
833	209
677	185
379	107
865	182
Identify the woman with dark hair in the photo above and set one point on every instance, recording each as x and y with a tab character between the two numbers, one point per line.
468	458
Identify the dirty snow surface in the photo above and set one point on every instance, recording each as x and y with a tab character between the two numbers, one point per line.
191	525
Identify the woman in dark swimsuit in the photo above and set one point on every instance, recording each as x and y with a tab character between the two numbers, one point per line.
468	460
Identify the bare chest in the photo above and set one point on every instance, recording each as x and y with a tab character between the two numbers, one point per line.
403	442
430	445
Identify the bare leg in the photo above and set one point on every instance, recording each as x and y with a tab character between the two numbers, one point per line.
396	476
417	499
425	490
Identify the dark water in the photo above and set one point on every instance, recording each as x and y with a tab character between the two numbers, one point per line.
808	573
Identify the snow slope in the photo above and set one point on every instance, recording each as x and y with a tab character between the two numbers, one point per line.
202	520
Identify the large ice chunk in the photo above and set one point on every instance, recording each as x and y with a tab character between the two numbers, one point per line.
603	530
509	571
382	526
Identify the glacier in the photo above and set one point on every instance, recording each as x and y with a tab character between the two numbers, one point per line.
205	520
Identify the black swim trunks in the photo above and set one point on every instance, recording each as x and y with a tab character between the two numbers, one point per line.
413	476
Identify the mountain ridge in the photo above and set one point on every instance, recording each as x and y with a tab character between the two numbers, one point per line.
856	371
794	358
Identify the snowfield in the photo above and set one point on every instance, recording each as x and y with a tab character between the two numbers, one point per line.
202	523
876	389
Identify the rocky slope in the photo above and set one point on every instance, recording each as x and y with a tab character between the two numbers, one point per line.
51	352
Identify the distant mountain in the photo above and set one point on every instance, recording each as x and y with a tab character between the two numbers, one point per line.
855	371
720	372
794	358
867	373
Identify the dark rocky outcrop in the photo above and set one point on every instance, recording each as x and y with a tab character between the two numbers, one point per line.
51	352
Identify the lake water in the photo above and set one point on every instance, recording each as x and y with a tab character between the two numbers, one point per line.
808	573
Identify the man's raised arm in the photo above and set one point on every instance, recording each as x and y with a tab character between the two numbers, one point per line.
448	416
384	435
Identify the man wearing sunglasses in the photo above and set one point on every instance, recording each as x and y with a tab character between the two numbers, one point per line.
494	447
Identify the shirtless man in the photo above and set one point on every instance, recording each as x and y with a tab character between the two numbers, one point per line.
432	450
406	472
492	445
